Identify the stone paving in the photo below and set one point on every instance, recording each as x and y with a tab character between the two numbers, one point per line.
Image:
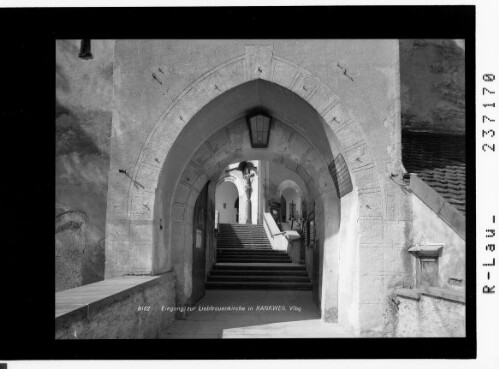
303	322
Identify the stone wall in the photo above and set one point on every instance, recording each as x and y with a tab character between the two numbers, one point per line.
84	93
430	317
70	244
428	227
432	85
117	315
350	103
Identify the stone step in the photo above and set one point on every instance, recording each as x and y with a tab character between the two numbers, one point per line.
258	278
246	272
258	286
225	235
237	245
242	240
246	237
258	266
252	256
247	260
247	246
236	249
262	253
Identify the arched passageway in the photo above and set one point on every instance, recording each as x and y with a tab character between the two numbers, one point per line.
204	130
226	199
302	151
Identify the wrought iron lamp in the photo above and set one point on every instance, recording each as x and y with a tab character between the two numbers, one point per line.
85	50
259	129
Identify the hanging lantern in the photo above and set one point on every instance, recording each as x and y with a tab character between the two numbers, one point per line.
259	130
85	51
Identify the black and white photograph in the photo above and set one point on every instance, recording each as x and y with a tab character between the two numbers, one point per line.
260	188
247	177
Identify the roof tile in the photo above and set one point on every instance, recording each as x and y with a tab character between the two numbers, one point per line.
440	161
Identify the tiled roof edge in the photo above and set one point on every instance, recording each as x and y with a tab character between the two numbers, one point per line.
436	202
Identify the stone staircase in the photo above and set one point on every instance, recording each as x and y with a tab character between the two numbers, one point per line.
245	260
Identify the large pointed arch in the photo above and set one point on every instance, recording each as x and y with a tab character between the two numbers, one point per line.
154	200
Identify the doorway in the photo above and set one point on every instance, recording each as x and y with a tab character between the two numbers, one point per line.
199	223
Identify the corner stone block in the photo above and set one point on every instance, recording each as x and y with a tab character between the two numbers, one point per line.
178	211
200	182
258	61
393	260
203	91
372	289
182	193
117	231
140	258
298	147
178	238
230	76
283	73
154	157
305	85
371	317
142	204
187	106
366	178
193	196
395	232
349	134
189	214
371	231
370	205
359	156
202	155
188	240
146	178
190	175
141	232
371	260
322	98
335	116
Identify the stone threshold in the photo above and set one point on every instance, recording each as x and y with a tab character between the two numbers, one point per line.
84	301
435	292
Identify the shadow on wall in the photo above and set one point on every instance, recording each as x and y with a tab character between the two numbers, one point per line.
82	165
432	85
78	262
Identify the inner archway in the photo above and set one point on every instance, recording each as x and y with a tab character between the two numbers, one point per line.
226	196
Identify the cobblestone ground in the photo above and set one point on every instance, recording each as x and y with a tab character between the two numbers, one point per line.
291	314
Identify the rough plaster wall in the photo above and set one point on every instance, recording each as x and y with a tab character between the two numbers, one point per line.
70	242
430	317
432	85
348	286
122	320
430	228
84	91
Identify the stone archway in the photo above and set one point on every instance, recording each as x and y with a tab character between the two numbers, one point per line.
288	185
145	216
240	194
